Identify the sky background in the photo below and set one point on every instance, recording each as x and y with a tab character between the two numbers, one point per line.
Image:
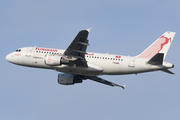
123	27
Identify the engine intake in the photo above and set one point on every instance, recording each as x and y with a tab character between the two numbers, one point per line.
55	60
68	79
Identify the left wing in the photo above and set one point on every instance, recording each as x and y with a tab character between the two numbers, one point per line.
76	51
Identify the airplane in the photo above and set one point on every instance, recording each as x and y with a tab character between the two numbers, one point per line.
76	65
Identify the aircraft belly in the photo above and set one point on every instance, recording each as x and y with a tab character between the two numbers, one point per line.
112	70
109	67
32	62
91	70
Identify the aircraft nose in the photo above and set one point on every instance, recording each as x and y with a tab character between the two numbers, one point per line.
8	57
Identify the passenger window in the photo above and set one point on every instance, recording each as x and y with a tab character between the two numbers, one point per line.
113	58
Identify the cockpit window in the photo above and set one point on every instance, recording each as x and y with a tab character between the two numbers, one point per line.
18	50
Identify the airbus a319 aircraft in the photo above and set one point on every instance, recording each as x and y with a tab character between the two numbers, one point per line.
77	65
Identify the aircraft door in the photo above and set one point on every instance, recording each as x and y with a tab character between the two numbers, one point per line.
132	62
29	51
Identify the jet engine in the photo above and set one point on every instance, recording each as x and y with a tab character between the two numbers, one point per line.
68	79
55	60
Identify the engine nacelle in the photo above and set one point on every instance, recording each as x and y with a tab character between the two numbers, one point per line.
54	60
68	79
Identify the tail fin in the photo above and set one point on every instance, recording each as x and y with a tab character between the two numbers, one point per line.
161	45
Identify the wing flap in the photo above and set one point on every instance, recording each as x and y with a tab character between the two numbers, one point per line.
83	43
79	51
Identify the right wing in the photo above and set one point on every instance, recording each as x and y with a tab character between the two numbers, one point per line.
97	79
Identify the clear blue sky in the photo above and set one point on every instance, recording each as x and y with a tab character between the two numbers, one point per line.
124	27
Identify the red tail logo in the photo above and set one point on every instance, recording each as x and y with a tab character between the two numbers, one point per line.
155	48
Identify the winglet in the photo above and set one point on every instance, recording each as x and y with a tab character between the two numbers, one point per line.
123	86
89	29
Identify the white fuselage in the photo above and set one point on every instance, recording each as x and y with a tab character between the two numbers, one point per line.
98	64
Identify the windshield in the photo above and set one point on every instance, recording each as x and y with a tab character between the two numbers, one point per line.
18	50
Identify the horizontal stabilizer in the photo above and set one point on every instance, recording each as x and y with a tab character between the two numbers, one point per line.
167	71
157	59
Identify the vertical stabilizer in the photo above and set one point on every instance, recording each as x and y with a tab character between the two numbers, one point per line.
161	45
